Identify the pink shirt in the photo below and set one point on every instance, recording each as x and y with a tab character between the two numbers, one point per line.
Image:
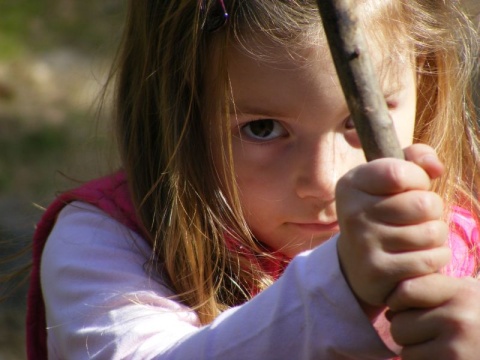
464	242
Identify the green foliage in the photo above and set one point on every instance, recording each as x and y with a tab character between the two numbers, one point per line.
14	15
40	25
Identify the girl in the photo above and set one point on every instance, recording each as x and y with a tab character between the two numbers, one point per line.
239	157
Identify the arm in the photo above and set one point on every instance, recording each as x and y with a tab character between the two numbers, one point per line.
101	304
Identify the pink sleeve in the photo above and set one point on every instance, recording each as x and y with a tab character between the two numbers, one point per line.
463	240
101	304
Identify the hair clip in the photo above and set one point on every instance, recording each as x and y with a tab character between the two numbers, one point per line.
215	17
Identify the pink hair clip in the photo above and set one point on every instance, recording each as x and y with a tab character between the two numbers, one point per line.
215	17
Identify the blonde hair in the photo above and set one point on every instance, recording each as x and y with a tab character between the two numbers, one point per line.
172	134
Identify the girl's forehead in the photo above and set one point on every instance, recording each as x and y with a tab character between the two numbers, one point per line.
284	56
267	69
290	56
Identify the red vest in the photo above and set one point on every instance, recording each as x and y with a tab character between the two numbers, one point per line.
111	195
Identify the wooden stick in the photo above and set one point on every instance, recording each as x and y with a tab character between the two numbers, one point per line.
358	79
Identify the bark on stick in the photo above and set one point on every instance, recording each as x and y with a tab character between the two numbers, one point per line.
358	79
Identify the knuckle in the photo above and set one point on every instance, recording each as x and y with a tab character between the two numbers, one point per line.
378	267
433	260
429	263
422	202
430	232
467	313
428	203
395	174
466	319
460	325
404	290
433	233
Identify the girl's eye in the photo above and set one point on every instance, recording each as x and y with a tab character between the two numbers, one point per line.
349	124
392	104
263	130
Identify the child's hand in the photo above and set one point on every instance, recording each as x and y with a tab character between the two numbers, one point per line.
391	226
442	320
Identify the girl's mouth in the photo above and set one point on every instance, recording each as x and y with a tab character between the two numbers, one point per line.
317	227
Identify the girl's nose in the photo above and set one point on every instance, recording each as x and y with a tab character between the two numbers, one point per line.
318	169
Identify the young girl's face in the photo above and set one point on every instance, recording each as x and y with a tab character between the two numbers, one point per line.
293	139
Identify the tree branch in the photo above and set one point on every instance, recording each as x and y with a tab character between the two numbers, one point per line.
358	79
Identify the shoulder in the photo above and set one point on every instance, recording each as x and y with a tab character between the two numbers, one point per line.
93	272
84	227
87	244
86	239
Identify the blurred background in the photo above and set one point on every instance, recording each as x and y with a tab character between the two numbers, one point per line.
54	60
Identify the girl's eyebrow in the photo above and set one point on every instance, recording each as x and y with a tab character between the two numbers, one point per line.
392	84
239	110
392	90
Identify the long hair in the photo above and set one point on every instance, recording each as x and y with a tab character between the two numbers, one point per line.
446	115
176	150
